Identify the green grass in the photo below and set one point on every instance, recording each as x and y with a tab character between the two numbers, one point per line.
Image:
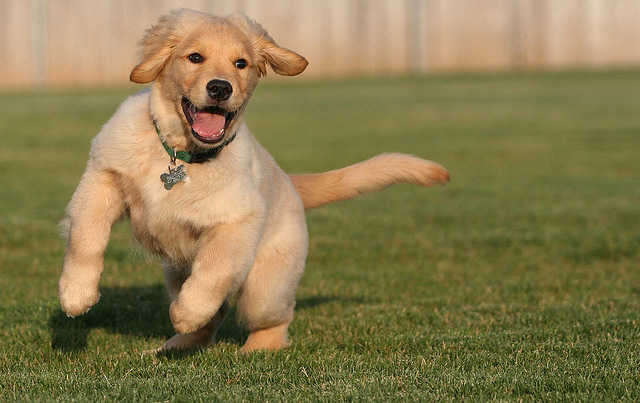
520	280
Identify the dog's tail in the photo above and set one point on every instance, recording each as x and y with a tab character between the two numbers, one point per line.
367	176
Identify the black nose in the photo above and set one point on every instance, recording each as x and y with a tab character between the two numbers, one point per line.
219	90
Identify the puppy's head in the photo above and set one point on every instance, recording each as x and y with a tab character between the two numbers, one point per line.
207	68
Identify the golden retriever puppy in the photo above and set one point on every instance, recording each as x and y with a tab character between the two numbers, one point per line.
200	191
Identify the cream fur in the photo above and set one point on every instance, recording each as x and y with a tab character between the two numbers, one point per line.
237	225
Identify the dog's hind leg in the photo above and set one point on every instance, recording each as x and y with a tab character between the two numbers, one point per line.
267	299
272	338
269	338
266	302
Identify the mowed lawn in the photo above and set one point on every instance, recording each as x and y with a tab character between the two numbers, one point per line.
519	280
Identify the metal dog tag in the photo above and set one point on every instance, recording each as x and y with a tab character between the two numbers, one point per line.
174	176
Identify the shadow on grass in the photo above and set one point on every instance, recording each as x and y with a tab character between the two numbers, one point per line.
136	311
140	312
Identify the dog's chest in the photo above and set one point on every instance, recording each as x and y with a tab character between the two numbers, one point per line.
171	221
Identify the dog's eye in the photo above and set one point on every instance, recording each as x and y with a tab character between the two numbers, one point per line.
241	64
196	58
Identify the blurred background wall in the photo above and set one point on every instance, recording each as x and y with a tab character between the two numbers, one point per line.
93	42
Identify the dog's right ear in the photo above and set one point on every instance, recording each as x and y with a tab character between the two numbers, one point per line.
158	44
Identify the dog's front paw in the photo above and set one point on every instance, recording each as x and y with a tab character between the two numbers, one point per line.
76	301
78	287
186	320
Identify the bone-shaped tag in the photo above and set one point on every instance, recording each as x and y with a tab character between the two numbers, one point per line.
174	176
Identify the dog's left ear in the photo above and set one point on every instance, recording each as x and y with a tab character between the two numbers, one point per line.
283	61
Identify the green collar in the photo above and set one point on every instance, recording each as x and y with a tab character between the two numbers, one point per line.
189	156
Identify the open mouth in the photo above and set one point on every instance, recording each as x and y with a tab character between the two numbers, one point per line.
208	125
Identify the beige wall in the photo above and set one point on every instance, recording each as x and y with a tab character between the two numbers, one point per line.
93	42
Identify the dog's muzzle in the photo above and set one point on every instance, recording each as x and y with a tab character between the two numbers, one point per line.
209	124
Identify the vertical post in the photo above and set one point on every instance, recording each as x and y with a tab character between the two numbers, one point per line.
516	40
418	15
593	50
415	36
39	27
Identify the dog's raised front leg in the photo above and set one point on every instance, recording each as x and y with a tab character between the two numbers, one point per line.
221	265
95	206
201	338
175	276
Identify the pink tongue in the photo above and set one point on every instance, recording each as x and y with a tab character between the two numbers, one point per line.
208	125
